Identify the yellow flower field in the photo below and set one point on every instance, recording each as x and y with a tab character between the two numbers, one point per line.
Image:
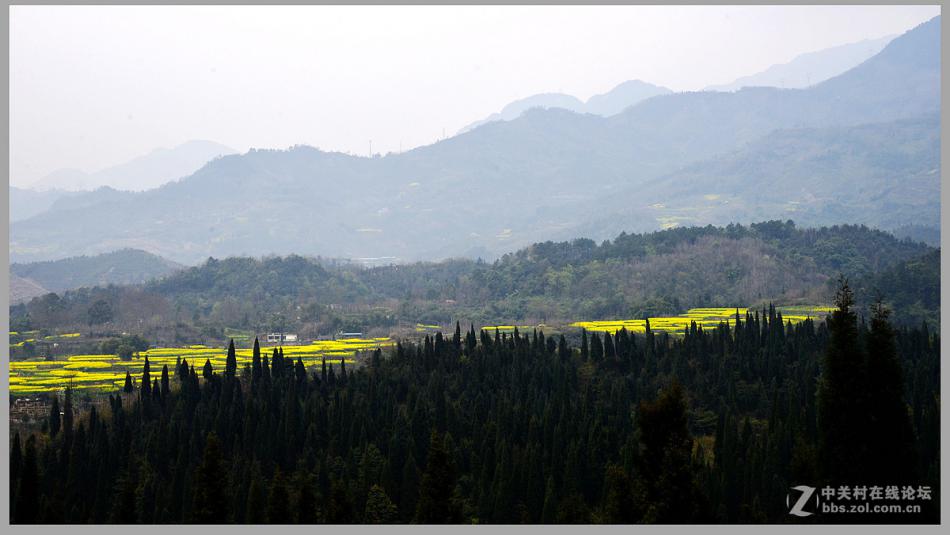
107	372
707	318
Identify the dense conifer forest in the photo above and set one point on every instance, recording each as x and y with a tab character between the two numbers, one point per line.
712	426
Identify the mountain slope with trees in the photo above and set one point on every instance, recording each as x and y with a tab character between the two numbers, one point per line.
875	174
127	266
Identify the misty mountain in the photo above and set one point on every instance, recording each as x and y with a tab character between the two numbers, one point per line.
26	203
144	172
623	96
549	172
543	100
810	68
880	174
922	233
612	102
127	266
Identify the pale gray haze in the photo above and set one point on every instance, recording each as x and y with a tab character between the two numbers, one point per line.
93	87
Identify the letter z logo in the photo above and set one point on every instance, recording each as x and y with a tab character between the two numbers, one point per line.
798	508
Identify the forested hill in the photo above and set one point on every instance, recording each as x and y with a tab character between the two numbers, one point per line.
664	272
126	266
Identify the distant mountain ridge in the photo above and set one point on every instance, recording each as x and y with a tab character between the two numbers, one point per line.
810	68
550	172
612	102
802	71
141	173
26	203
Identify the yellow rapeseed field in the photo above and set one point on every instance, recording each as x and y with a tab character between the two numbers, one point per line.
706	318
107	372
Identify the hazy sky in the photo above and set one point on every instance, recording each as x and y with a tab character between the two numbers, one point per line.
95	86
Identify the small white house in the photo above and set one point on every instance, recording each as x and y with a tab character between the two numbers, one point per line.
279	338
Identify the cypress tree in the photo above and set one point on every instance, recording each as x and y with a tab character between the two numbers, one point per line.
550	508
146	381
256	369
609	352
128	383
435	491
166	389
379	508
123	505
585	352
16	457
300	371
841	415
183	371
409	492
54	417
28	496
890	435
68	413
665	464
255	510
208	370
306	499
619	506
339	508
276	365
230	363
278	500
596	348
210	504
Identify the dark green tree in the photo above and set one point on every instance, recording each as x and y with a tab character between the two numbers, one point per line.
255	509
666	472
146	391
842	417
100	312
256	370
210	503
166	388
379	508
230	363
28	495
278	500
891	455
435	491
68	413
55	418
619	503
